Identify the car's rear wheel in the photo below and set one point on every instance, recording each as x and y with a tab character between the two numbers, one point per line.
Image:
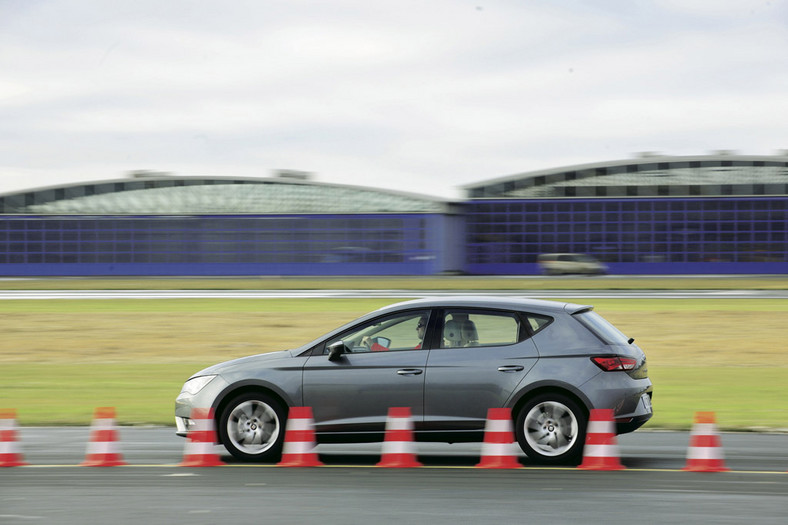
551	429
251	427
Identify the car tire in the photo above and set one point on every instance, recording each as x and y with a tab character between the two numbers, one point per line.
252	427
551	429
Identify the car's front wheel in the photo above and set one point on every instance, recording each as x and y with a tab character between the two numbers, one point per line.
551	429
251	427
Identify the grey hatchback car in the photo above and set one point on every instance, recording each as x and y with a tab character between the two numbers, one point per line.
449	360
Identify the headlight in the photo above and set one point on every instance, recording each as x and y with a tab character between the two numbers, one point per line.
195	384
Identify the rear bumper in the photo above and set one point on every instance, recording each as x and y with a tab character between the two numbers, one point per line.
637	415
630	424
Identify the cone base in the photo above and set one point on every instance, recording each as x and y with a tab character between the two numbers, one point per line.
201	462
602	464
706	468
399	461
499	462
108	462
13	463
300	462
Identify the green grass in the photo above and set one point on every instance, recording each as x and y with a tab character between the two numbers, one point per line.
57	394
743	398
63	358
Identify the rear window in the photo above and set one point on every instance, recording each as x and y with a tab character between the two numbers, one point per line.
537	322
601	328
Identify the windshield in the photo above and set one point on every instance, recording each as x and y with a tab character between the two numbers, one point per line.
601	328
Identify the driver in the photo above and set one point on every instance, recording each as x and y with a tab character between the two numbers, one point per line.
421	329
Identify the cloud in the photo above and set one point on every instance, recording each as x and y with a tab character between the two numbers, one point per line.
429	95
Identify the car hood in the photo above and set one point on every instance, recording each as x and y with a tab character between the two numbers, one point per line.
245	362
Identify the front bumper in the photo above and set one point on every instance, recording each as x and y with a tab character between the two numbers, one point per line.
182	426
205	398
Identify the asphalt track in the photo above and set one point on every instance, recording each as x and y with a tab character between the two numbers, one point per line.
350	489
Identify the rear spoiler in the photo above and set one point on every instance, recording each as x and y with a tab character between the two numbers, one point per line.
574	309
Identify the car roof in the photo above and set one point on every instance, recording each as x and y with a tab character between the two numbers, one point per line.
511	303
483	301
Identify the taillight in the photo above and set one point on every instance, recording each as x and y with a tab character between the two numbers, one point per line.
613	363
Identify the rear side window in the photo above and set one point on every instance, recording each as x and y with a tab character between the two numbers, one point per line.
537	322
465	328
601	328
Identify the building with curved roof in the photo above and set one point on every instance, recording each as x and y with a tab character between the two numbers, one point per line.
654	214
158	224
649	175
160	194
718	213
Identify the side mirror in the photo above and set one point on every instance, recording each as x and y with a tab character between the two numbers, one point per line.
335	350
381	343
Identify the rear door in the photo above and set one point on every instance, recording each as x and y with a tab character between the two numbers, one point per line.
476	368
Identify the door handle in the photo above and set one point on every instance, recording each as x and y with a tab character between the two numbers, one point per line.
409	371
510	368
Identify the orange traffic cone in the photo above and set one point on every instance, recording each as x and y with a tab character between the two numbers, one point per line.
198	451
398	450
103	449
498	438
299	446
601	450
705	449
9	449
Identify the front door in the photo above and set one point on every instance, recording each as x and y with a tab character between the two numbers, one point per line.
384	368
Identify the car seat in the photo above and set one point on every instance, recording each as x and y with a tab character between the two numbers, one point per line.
452	335
470	336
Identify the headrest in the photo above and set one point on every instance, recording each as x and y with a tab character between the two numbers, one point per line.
469	332
452	331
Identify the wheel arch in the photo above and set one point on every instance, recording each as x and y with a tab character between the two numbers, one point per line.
244	387
537	389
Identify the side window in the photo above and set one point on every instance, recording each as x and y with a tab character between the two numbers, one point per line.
464	328
403	331
537	322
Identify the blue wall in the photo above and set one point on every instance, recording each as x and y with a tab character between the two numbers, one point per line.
717	235
374	244
632	236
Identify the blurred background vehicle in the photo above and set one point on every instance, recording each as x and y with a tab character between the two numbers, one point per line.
570	263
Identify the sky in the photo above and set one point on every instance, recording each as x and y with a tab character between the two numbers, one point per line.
419	96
